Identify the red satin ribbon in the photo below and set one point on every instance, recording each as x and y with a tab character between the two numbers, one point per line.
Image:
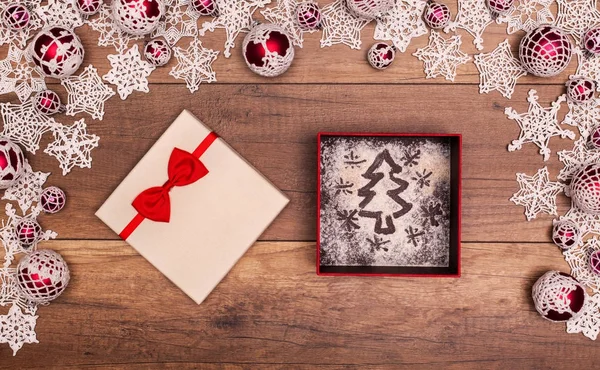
155	203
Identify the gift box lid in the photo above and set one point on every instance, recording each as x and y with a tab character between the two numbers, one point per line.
213	221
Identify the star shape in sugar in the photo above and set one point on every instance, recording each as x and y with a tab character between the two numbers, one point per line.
538	124
588	321
87	93
473	16
27	189
60	13
194	65
576	159
284	15
72	146
21	36
18	75
442	56
17	328
577	16
129	72
578	258
24	124
340	26
110	33
499	70
585	116
401	24
179	21
235	17
537	193
589	66
528	15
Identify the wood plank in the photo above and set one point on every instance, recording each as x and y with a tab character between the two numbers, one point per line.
273	309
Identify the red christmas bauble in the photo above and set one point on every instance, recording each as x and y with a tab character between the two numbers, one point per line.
88	7
205	7
138	17
28	232
157	52
57	52
268	50
585	189
591	41
369	9
53	199
12	162
558	296
580	89
308	15
16	16
595	138
566	234
42	276
545	51
595	262
47	102
436	15
500	7
381	55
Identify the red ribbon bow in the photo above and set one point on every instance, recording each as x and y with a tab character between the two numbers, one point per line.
184	169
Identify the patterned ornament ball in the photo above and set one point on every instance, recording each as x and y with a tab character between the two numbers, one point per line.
595	262
585	189
88	7
157	52
57	52
580	89
28	232
500	7
381	55
42	276
47	102
308	15
16	17
12	162
268	50
205	7
53	199
436	15
545	51
138	17
370	9
595	138
566	234
591	41
558	296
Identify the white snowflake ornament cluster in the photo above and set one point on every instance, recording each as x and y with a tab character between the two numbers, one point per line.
473	16
576	159
576	17
20	37
194	65
72	146
442	56
17	328
18	75
284	15
499	70
537	193
87	93
578	259
179	21
585	116
588	322
401	24
340	26
129	72
27	189
60	13
25	125
528	15
110	33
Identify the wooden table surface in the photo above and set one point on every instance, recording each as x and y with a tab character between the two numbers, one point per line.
272	311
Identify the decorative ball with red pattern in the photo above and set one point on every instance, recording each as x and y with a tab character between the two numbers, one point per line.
595	138
308	15
370	9
205	7
545	51
138	17
88	7
381	55
12	162
436	15
595	262
268	50
500	7
28	232
16	17
591	41
580	89
53	199
585	189
157	52
558	296
57	52
42	276
47	102
566	234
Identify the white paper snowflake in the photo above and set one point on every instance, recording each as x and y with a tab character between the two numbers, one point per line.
284	15
18	75
528	15
87	93
20	37
578	258
60	13
179	21
538	124
589	66
340	26
442	56
17	328
585	116
194	65
499	70
27	189
403	23
577	16
235	17
588	321
24	124
473	16
576	159
110	33
129	72
72	146
537	193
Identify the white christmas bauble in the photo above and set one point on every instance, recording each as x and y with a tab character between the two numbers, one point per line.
42	276
369	9
12	161
268	50
381	55
545	51
157	52
558	296
57	52
585	189
138	17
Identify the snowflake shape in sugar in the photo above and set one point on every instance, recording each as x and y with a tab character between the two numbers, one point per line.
578	258
442	56
284	15
473	16
340	26
589	66
576	159
537	193
21	36
528	15
403	23
180	21
87	93
577	16
588	322
60	13
194	65
538	124
27	189
129	72
24	124
585	116
110	33
235	17
72	146
499	70
18	75
17	328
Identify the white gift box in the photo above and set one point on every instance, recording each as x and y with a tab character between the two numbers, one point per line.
213	221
